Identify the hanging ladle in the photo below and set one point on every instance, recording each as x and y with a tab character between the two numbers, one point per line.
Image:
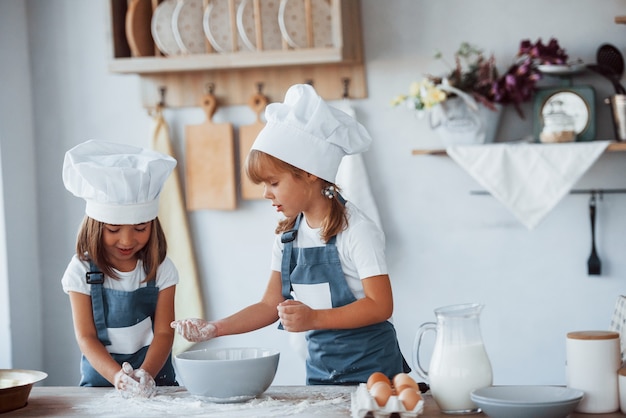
594	267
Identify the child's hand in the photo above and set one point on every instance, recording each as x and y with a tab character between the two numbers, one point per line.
134	383
194	329
147	385
295	316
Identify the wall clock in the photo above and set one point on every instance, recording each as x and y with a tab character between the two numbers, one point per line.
566	106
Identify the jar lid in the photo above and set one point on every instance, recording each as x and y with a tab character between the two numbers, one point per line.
593	335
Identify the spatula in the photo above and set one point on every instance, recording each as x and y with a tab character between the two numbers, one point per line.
594	266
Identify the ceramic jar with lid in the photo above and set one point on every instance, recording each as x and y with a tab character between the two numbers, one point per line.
593	361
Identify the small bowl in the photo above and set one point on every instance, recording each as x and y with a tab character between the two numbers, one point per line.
527	401
15	386
226	375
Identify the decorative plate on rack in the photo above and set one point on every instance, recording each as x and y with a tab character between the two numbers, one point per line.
292	21
246	25
216	23
162	30
187	26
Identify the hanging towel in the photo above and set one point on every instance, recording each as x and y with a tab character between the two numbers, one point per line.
529	179
173	218
352	177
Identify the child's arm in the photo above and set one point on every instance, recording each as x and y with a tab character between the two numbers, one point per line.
375	307
161	345
87	337
251	318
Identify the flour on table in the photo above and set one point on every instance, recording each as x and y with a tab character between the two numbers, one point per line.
177	401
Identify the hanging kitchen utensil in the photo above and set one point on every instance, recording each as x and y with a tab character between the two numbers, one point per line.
612	61
611	57
608	73
247	135
594	266
210	162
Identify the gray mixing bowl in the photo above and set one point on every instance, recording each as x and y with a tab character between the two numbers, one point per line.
227	374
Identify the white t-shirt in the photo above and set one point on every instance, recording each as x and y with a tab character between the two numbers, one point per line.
361	248
74	277
126	340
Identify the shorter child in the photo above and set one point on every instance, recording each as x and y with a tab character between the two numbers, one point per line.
120	283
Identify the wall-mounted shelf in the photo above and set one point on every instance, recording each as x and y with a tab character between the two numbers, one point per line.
238	74
613	147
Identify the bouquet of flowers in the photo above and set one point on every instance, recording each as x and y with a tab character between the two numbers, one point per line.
477	76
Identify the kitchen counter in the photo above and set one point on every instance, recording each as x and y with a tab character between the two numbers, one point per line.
277	401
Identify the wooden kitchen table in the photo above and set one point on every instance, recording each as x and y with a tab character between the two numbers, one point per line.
277	401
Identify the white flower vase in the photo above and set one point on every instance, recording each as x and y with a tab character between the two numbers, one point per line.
461	121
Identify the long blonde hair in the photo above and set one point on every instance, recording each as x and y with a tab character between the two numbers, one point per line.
89	247
256	165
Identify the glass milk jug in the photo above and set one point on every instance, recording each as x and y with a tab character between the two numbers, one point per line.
459	362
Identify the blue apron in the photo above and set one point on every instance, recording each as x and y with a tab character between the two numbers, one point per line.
338	356
118	309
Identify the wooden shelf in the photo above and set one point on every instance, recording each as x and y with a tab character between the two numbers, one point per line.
237	75
613	147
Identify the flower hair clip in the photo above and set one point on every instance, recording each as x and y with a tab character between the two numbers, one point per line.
329	191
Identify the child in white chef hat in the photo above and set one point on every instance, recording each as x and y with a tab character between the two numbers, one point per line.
120	283
328	272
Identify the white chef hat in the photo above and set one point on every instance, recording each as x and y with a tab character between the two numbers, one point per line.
309	134
120	183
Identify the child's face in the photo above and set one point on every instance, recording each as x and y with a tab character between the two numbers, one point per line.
288	193
123	242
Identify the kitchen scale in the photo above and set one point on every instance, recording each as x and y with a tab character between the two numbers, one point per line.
564	106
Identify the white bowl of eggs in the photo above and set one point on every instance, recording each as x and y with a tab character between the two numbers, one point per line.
226	375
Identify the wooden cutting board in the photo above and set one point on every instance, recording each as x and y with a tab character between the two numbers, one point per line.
138	31
247	135
210	162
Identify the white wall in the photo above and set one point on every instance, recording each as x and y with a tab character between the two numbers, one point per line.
444	245
20	331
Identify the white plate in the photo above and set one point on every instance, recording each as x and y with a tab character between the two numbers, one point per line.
564	69
216	25
269	24
527	401
162	30
187	26
292	22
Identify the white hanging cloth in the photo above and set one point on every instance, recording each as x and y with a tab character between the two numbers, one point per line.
352	177
529	179
173	219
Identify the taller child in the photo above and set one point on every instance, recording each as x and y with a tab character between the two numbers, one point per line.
120	283
328	272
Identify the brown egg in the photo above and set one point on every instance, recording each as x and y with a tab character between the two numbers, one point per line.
409	398
403	379
381	392
377	377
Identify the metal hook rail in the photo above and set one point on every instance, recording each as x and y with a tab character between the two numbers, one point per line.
599	192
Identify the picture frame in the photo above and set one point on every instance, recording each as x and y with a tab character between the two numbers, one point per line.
574	103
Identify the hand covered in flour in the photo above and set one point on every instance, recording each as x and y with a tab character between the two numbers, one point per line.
134	383
295	316
194	329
